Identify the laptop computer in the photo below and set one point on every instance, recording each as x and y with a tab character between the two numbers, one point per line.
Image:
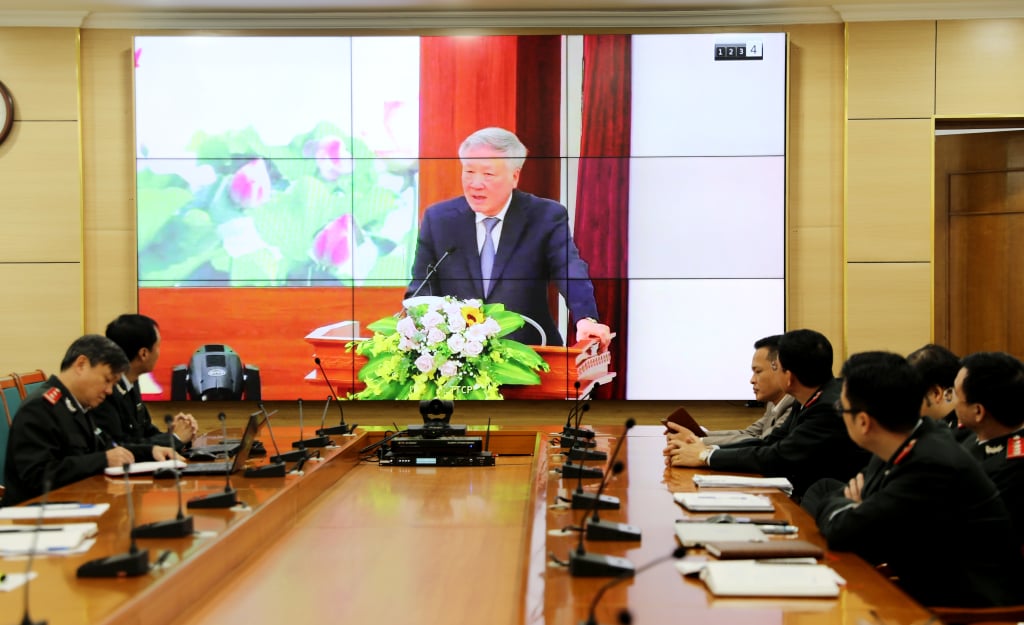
236	464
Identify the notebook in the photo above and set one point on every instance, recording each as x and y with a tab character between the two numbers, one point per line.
237	463
726	501
144	467
19	539
746	550
748	578
696	534
743	481
682	417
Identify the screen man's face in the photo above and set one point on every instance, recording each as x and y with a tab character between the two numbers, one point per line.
487	179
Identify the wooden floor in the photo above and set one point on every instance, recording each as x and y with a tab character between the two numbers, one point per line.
714	415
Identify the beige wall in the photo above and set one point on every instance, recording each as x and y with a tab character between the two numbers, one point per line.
901	76
41	199
859	232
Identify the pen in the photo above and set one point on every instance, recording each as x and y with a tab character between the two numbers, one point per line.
3	576
55	503
18	530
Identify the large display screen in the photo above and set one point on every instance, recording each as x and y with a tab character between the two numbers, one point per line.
281	182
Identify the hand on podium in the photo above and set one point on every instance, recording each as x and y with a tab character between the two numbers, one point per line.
591	329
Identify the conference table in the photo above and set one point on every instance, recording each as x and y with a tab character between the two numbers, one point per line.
354	541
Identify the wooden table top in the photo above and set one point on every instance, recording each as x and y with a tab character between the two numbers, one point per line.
358	541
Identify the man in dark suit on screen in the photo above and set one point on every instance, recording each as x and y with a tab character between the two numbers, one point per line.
499	244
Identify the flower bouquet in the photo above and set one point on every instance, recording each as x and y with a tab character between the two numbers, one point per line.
446	348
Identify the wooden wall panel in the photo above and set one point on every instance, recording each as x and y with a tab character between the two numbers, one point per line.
976	70
39	176
889	190
40	67
891	69
820	250
40	318
888	306
111	269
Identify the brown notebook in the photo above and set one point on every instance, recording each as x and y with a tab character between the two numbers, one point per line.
682	417
743	550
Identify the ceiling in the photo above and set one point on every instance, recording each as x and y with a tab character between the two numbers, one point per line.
474	13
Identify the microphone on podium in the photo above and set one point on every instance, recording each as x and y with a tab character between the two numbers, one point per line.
431	270
595	528
131	564
624	615
26	619
342	427
181	525
228	498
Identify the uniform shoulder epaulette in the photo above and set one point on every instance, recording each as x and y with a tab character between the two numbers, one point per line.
1014	447
52	395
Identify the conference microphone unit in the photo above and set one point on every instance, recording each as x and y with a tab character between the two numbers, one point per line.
26	619
342	428
595	528
568	429
289	456
229	497
316	441
570	470
585	449
431	270
585	564
131	564
624	615
181	525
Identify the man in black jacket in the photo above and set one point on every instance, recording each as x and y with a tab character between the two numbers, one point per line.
919	486
811	444
123	415
987	394
53	432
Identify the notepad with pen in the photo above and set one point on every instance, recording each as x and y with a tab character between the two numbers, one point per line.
725	501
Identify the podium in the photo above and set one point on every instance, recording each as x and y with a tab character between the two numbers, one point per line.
581	362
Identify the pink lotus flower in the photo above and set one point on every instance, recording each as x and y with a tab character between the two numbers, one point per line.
334	244
250	187
331	157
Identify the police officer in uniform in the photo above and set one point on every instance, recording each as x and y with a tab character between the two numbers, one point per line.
53	433
919	487
123	415
988	391
938	366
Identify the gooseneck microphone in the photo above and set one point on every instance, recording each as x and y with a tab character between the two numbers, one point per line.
571	469
47	485
595	528
342	427
131	564
624	616
431	270
229	497
584	564
316	441
181	525
570	429
289	456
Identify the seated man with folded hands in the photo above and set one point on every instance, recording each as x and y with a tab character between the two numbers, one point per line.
922	506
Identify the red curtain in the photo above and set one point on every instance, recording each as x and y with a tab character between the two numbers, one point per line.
602	192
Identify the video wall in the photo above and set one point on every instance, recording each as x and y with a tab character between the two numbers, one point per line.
281	182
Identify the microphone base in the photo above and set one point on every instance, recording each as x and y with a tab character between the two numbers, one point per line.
27	620
276	469
590	501
120	565
578	433
319	441
587	454
290	456
173	528
599	565
225	499
338	430
579	471
568	442
609	530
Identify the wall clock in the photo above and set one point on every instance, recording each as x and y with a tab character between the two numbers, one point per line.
6	112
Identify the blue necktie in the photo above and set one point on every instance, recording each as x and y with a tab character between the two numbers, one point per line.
487	253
